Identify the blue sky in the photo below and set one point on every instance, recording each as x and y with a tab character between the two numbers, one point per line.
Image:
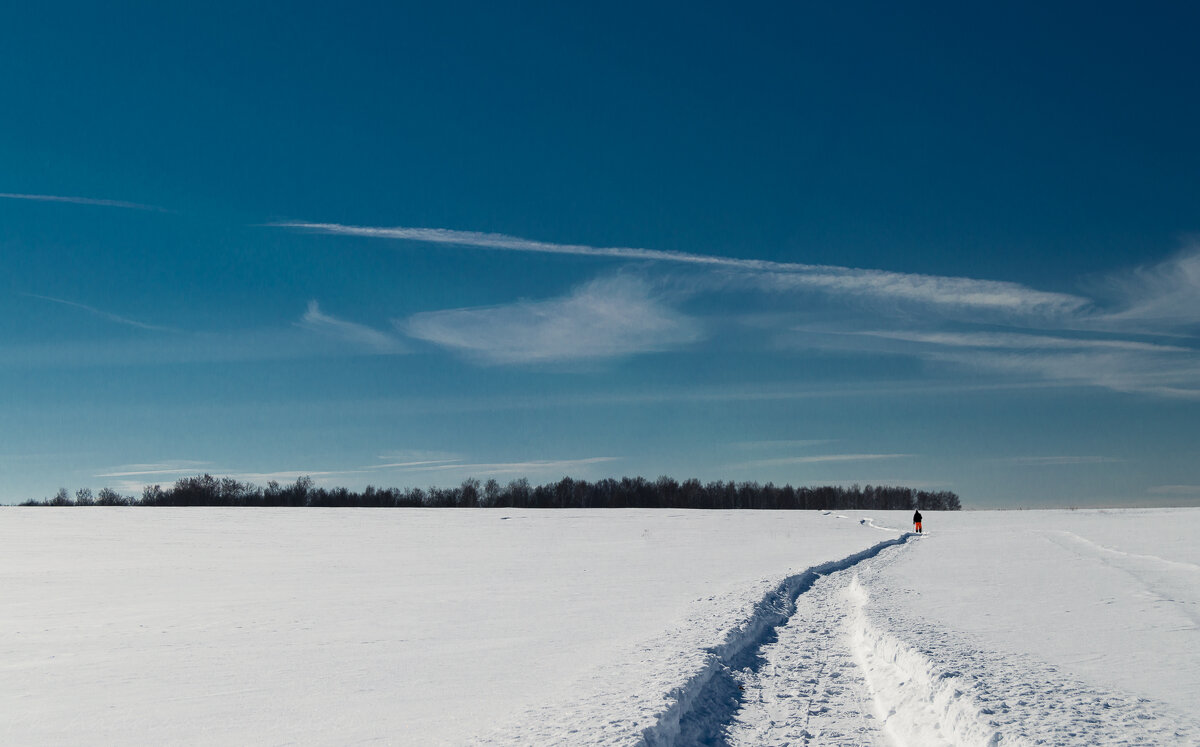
944	246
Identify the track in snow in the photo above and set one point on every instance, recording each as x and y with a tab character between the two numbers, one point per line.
834	678
829	659
851	667
1158	576
835	655
811	689
704	709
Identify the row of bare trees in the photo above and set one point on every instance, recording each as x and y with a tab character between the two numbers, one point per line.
626	492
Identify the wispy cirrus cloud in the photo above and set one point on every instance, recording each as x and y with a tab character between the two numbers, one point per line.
1113	341
315	334
780	276
1159	297
355	334
418	464
1093	358
326	477
1183	490
177	467
997	296
1059	461
532	467
1175	376
83	201
1022	341
415	458
116	318
605	318
821	459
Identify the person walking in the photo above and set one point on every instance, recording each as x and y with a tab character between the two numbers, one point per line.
917	521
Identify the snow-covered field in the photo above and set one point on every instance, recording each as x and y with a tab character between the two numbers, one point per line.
327	626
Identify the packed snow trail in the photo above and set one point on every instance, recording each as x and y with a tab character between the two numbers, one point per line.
704	708
853	667
811	689
840	654
834	678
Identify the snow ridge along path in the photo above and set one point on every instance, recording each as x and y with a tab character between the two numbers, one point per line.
706	706
917	704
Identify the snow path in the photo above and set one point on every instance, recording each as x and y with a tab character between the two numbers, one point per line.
839	654
835	678
703	708
853	666
811	690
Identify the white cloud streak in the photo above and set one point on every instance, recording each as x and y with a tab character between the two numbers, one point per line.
1017	341
1123	365
1164	295
320	477
102	314
821	459
511	468
356	334
783	276
605	318
315	334
83	201
420	455
184	467
936	290
1187	490
1173	376
1060	461
429	463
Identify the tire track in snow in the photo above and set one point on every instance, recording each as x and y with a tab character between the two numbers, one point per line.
1171	581
1097	548
704	707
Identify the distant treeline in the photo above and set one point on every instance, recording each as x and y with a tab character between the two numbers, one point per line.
627	492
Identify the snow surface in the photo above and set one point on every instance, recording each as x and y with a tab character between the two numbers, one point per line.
409	626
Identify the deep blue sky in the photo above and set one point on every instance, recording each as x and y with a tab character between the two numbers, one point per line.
948	246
